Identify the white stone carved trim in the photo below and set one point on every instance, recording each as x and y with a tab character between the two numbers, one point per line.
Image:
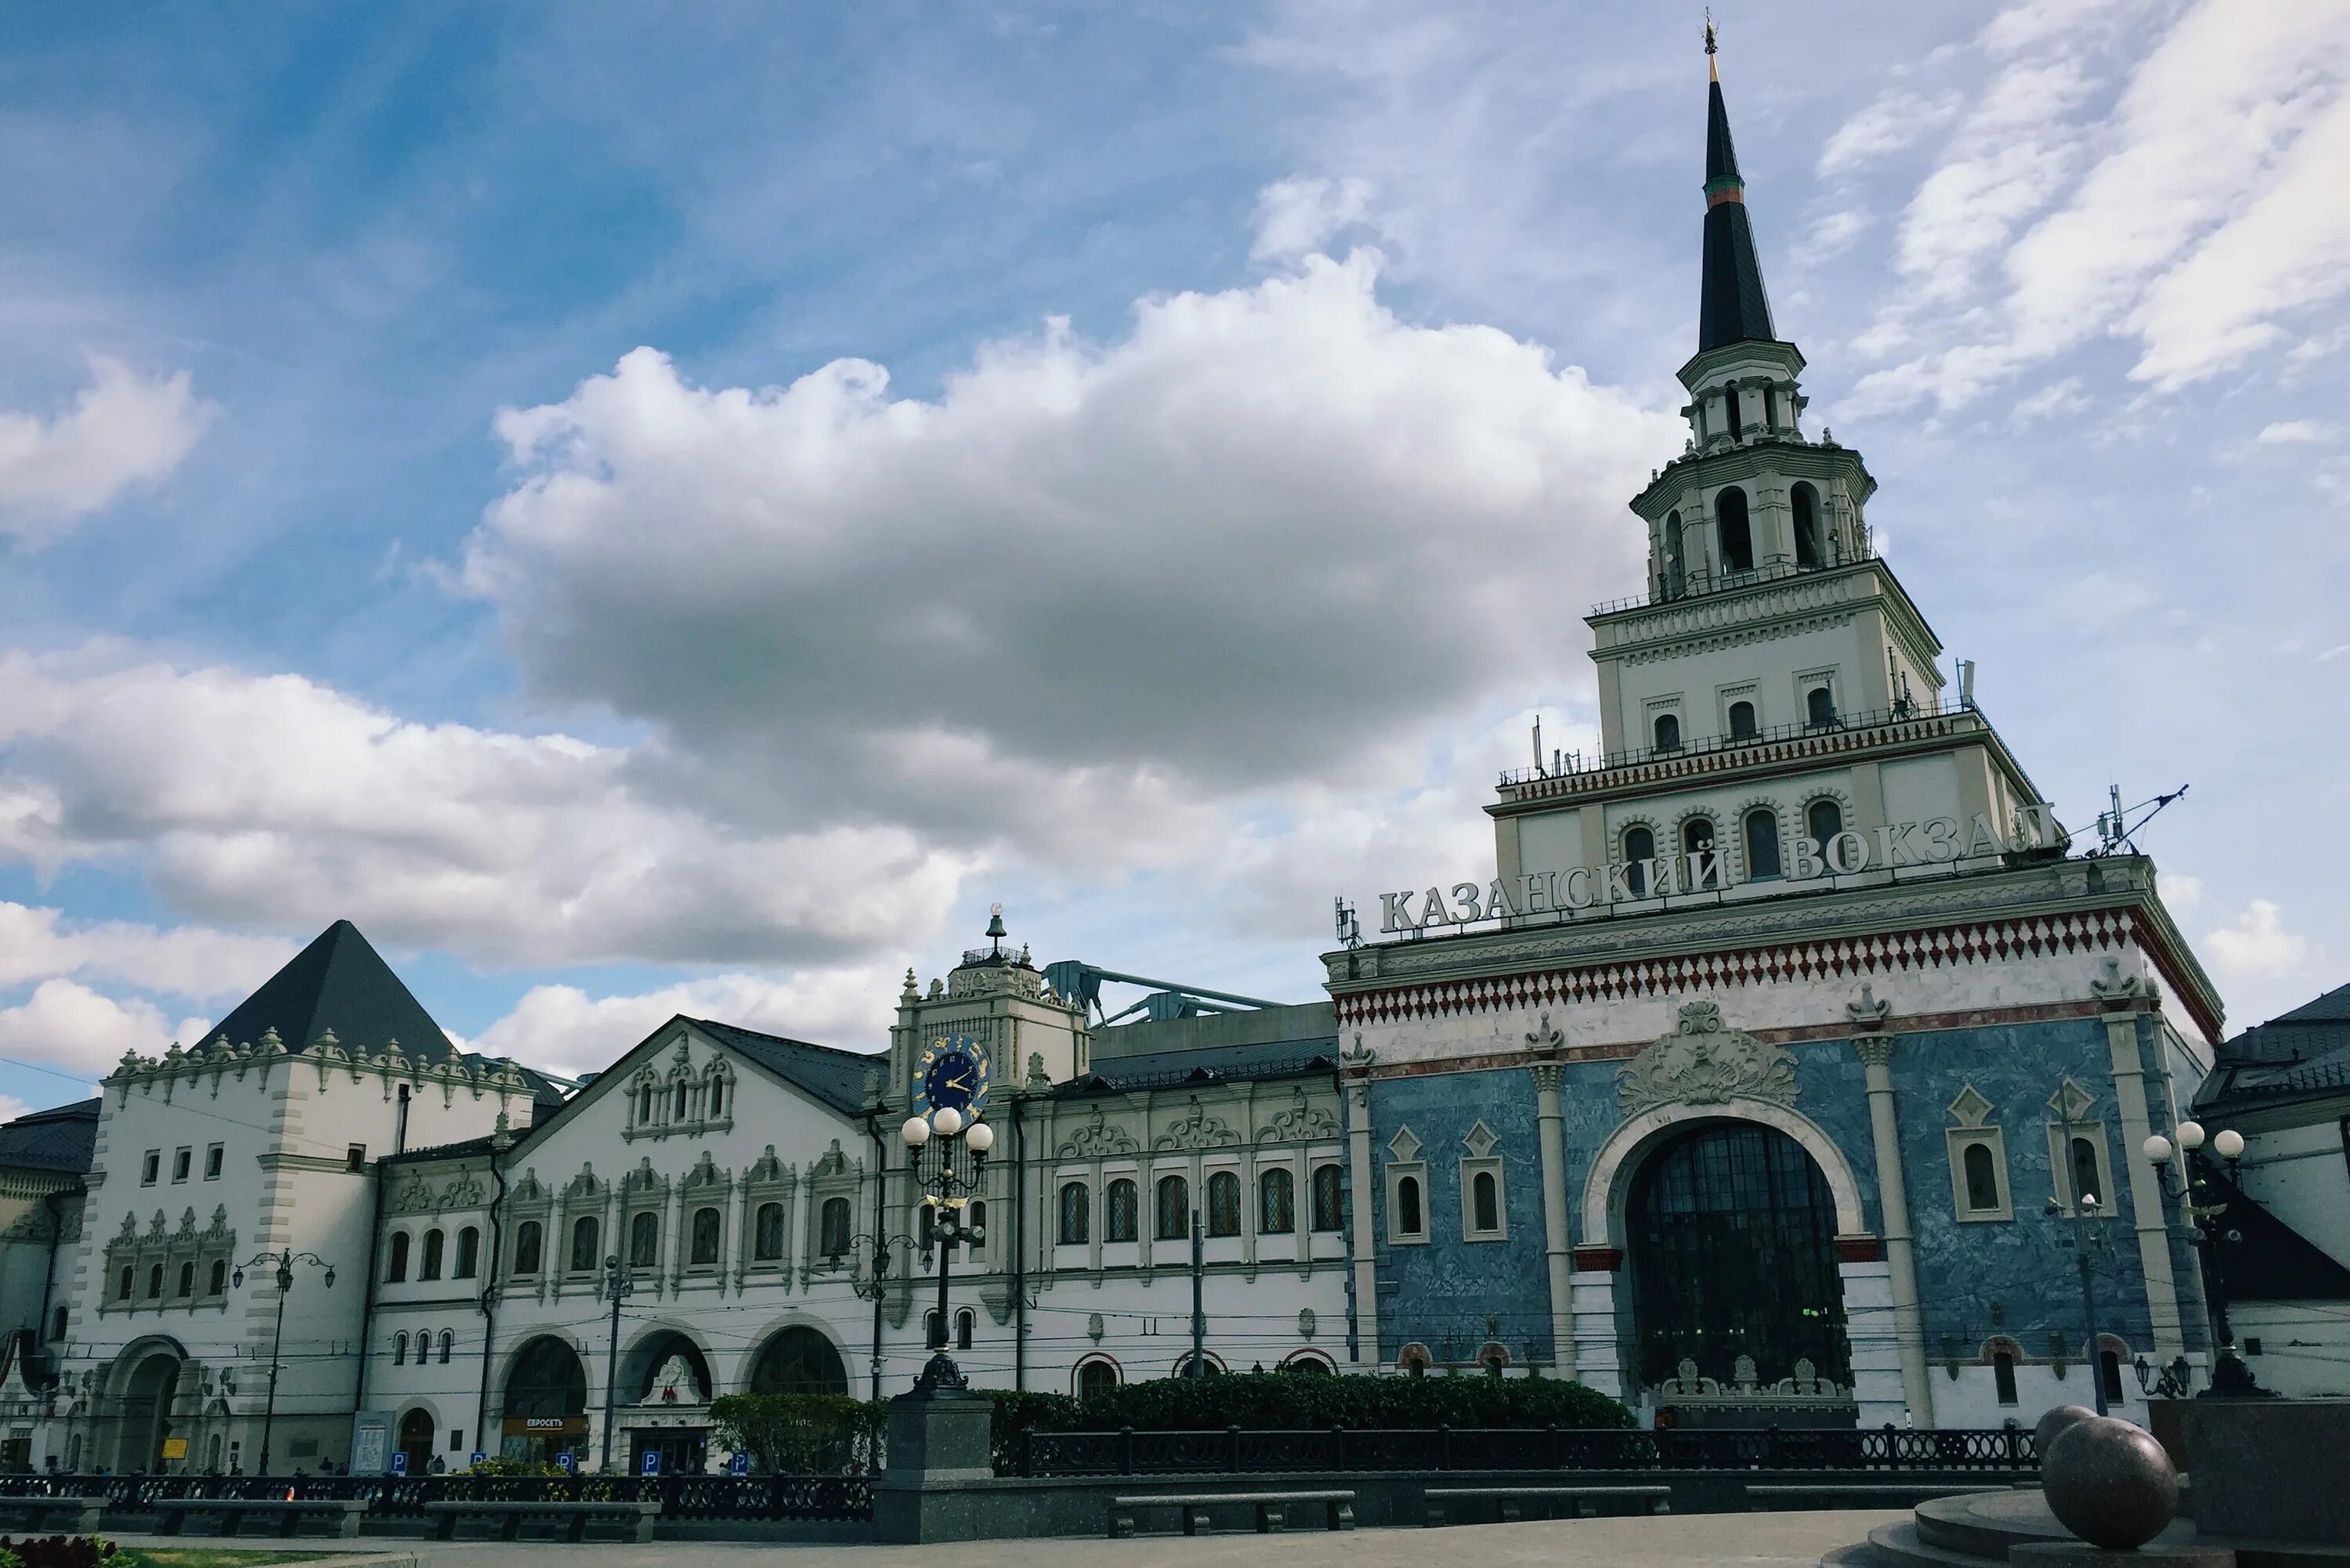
1097	1138
1196	1129
1303	1122
1704	1062
1609	1185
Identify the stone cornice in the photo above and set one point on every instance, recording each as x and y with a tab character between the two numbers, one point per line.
1692	622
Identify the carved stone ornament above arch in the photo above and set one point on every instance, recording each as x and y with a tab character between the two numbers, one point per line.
1704	1062
1303	1122
1096	1138
1196	1129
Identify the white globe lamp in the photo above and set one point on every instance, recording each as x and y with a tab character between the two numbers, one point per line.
946	1121
916	1132
981	1138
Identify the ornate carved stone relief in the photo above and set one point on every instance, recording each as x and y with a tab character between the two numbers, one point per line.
1704	1062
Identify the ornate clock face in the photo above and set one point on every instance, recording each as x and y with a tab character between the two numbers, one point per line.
951	1072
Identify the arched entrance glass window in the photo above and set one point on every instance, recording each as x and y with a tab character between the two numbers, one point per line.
1737	535
416	1439
1731	1232
643	1363
146	1410
800	1360
1640	848
1762	845
548	1383
1808	526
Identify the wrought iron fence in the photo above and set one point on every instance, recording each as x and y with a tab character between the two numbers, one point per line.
2004	1450
779	1496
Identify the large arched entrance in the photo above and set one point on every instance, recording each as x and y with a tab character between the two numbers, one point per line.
416	1439
1730	1230
666	1388
545	1402
800	1360
146	1412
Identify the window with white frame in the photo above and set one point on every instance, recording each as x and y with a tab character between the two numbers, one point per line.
1484	1216
1978	1153
2078	1162
1407	1180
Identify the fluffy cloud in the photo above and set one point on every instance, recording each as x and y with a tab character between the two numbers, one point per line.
68	1024
1893	119
2258	944
560	1028
1298	215
274	801
1091	588
184	961
125	430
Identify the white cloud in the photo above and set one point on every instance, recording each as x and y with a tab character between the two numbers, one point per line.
2179	891
1303	213
1893	119
562	1029
274	801
11	1107
2258	943
124	430
66	1023
2064	397
192	961
2294	433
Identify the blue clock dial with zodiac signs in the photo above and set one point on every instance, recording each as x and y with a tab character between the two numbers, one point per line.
951	1073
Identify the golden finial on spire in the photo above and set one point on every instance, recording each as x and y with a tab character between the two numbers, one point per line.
1713	72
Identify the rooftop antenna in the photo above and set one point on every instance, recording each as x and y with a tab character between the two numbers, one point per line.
2116	831
1350	930
1538	767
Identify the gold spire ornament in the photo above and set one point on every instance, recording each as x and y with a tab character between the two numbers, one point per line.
1713	71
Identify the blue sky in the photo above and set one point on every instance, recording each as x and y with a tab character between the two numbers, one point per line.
657	510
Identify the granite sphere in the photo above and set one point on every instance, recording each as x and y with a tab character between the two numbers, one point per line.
2043	1436
2110	1482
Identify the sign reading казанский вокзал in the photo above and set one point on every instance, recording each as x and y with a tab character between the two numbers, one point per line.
1942	841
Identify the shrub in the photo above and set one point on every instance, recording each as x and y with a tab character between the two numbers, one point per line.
56	1551
802	1434
1294	1401
500	1466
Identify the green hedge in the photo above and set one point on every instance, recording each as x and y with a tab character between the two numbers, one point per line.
1294	1401
802	1434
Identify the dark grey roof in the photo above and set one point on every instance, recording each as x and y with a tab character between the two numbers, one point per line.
1731	306
59	1139
463	1148
2304	1051
1213	1064
339	983
835	1077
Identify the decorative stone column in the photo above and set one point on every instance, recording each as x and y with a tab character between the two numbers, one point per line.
1875	1047
1361	1243
2125	998
1554	1186
1598	1355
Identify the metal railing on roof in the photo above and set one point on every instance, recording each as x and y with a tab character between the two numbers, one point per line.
1847	724
1771	569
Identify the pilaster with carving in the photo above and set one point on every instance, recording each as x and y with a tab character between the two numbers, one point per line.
1869	1016
1556	1258
2125	998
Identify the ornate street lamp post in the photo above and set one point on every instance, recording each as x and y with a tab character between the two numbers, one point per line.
2189	1193
284	1261
618	1287
945	1183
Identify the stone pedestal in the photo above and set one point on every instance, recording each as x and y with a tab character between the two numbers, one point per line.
2268	1470
2080	1554
939	1436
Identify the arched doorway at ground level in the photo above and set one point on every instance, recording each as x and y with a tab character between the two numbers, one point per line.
546	1405
146	1415
1730	1235
416	1440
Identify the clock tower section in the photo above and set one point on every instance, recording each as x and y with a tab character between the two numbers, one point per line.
999	1002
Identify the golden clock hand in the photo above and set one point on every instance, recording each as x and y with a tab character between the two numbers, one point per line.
963	1084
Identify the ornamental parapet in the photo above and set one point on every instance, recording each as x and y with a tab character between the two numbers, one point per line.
220	1059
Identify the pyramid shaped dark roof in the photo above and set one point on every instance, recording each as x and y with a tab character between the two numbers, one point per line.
338	982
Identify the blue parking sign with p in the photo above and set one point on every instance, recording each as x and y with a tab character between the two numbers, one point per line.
653	1462
477	1457
739	1465
399	1463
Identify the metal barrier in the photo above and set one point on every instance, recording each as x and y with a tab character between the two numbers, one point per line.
780	1497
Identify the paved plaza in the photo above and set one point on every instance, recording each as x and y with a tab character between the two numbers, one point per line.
1680	1541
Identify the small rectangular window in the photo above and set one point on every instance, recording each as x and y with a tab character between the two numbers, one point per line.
150	1169
212	1161
2252	1345
456	1439
355	1156
183	1158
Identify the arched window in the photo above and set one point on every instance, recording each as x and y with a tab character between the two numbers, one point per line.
1807	526
974	1222
155	1283
1762	845
187	1281
1123	1220
527	1244
1077	1213
1819	707
927	1232
2085	1180
1328	1203
1098	1376
1410	1222
1413	1359
1223	1204
832	1223
2109	1370
122	1292
1667	731
1770	406
1697	835
705	1238
1485	1202
677	1102
2002	1375
1174	1208
1742	721
1676	574
1277	1202
644	1104
966	1325
1737	538
58	1323
1640	848
398	1269
767	1233
1982	1179
435	1244
400	1350
934	1330
469	1252
583	1244
644	1242
1732	421
448	1344
717	1098
1823	820
1493	1358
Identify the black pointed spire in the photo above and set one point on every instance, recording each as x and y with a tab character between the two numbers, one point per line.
1731	306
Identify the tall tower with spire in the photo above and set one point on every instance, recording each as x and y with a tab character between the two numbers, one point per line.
1790	1013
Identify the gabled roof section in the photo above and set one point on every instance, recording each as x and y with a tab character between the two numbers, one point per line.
2303	1053
833	1075
64	1139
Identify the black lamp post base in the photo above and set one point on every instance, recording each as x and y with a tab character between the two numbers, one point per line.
2231	1379
940	1375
